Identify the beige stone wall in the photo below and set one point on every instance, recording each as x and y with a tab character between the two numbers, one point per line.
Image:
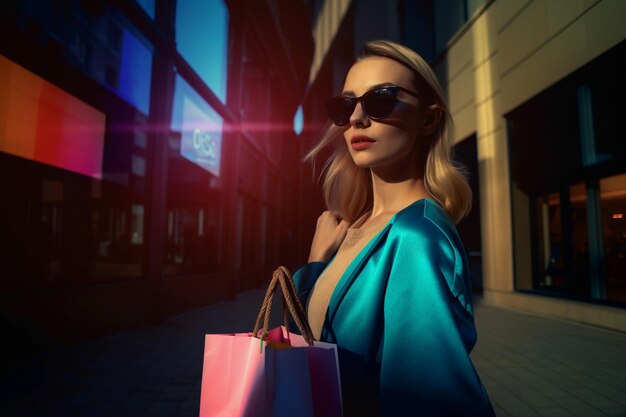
511	52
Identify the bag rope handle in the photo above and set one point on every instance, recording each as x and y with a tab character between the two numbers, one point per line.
291	304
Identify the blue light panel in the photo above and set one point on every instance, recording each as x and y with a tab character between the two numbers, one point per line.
200	127
202	39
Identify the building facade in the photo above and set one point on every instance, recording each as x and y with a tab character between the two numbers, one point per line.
149	162
534	88
147	159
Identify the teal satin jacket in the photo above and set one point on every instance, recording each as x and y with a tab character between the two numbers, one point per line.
402	319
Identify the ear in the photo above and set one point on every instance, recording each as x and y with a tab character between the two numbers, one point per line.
432	119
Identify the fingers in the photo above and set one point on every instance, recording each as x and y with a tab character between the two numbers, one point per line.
329	234
328	216
325	216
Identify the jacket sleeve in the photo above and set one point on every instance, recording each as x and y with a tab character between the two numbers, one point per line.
429	331
305	278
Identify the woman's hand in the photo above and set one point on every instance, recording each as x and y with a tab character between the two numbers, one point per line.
329	234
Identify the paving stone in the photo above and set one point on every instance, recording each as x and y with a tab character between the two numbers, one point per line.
595	399
579	407
535	399
611	393
554	412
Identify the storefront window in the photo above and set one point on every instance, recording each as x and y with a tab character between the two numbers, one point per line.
194	185
200	127
563	242
45	124
202	39
111	51
613	203
77	212
569	186
135	71
147	6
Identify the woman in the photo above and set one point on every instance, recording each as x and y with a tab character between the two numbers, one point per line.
387	278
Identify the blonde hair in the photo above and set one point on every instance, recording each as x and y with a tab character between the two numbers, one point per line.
347	188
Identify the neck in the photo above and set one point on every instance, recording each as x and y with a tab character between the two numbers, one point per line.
395	193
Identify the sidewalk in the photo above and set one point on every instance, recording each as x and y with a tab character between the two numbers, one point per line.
531	366
535	366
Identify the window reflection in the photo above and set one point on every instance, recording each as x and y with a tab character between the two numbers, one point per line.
555	252
193	185
202	39
43	123
135	72
613	202
147	6
569	186
564	248
192	233
76	215
200	127
111	51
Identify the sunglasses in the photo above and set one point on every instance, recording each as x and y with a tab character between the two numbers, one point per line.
377	103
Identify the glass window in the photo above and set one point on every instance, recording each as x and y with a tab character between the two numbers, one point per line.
449	17
77	213
112	51
613	209
148	6
466	154
202	39
473	6
200	127
417	27
193	231
134	72
568	204
43	123
565	242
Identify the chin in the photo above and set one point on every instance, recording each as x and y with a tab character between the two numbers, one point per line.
361	162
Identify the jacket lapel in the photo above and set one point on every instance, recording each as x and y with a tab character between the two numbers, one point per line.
353	271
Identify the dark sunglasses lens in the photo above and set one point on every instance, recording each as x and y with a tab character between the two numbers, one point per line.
340	109
379	103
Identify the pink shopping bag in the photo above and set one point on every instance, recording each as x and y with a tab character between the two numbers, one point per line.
280	375
240	380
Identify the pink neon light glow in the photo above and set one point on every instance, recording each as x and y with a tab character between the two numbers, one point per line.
41	122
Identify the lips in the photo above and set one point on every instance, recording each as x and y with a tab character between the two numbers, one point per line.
361	142
361	138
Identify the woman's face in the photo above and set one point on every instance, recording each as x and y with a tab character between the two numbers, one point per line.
392	142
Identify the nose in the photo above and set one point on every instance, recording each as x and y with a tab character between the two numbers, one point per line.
359	118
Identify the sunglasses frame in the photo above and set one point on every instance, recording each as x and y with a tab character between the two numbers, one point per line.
354	100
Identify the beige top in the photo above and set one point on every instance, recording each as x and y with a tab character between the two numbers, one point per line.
356	239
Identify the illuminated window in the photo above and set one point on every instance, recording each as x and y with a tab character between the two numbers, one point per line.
135	72
612	208
148	6
45	124
568	204
200	127
202	39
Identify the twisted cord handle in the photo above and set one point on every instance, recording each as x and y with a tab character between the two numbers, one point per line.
291	304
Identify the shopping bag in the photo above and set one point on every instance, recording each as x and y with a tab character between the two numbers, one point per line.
273	373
